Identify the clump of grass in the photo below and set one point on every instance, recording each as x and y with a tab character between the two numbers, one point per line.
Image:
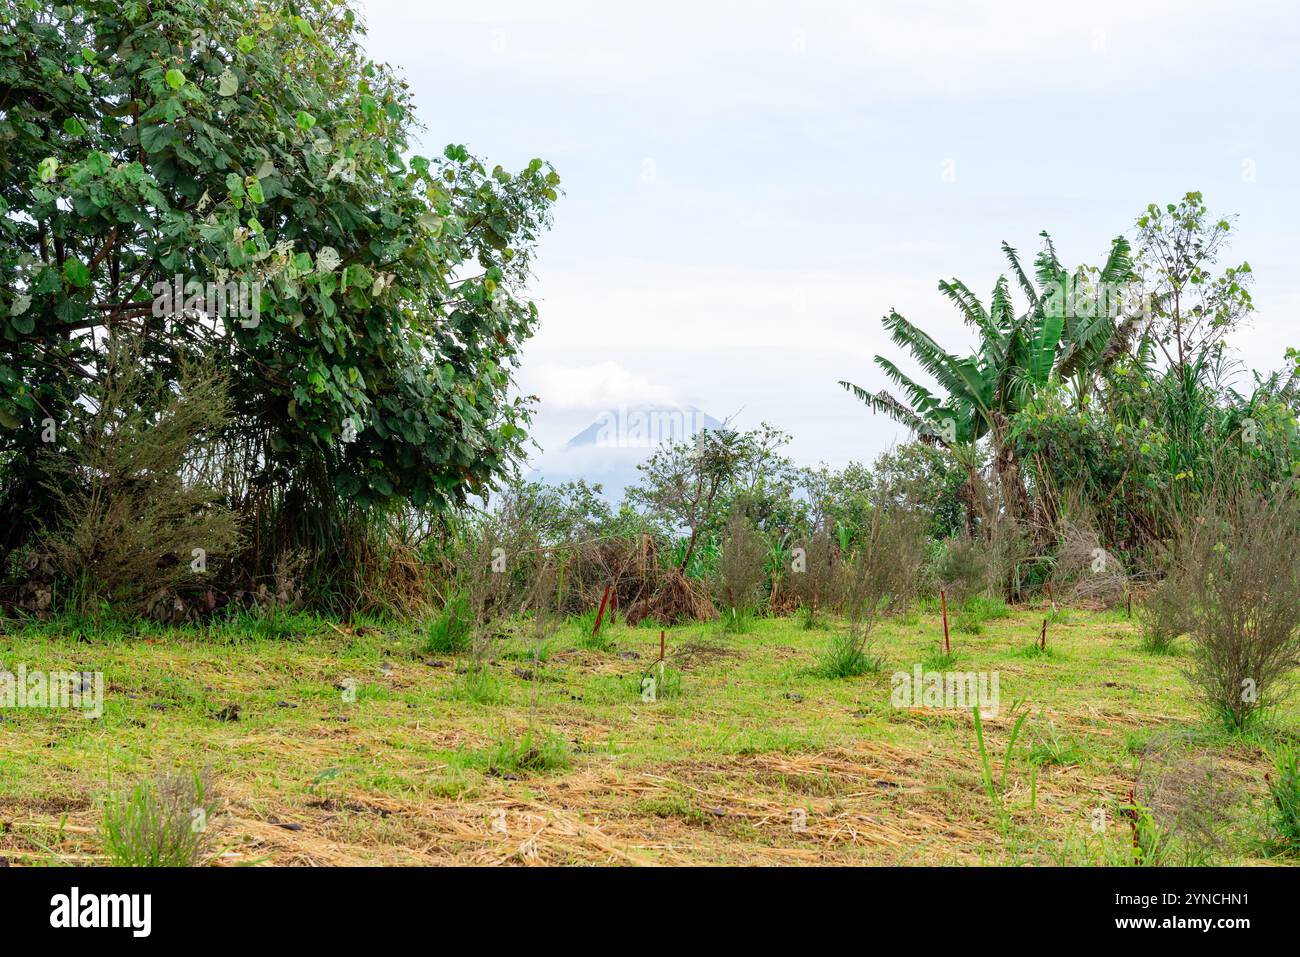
809	619
452	629
940	660
968	624
986	607
670	806
736	621
667	682
273	623
1284	788
160	823
531	753
477	685
1048	745
848	656
1035	650
588	635
1159	643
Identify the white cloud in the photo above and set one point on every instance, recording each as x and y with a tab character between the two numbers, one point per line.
602	385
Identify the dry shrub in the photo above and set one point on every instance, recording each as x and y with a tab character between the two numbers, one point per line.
677	599
1235	584
1163	614
741	564
813	585
1085	573
1188	793
964	568
881	575
138	507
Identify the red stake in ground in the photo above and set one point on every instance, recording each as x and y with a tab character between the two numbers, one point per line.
600	614
943	598
1042	639
661	644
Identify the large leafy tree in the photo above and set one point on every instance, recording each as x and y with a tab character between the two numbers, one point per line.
252	141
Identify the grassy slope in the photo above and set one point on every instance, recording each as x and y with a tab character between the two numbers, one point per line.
404	775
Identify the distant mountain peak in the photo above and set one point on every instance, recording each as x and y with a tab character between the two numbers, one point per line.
643	427
608	451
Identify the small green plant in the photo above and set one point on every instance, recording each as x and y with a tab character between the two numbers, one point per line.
940	660
736	621
588	635
996	790
477	685
160	823
531	753
1048	745
809	618
451	630
1149	846
1284	788
657	683
847	656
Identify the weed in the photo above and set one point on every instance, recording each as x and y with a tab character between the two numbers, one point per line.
1284	788
846	656
477	685
451	630
160	823
997	790
531	753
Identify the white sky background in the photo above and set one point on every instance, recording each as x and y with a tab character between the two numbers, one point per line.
749	187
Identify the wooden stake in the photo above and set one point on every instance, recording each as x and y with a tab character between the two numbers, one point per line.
1042	638
600	614
943	598
661	644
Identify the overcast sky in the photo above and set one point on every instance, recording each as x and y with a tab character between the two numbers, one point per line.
750	186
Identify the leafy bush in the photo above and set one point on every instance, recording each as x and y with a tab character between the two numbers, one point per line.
376	368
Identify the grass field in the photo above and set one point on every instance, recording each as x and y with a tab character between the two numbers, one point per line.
333	745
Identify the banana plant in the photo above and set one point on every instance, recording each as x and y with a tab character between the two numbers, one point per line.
1017	354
